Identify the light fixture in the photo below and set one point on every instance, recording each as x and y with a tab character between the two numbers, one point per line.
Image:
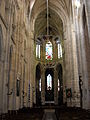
77	3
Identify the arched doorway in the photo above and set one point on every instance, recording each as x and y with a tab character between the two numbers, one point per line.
60	84
49	85
38	85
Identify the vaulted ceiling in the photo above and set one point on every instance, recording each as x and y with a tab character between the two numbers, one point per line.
59	12
55	24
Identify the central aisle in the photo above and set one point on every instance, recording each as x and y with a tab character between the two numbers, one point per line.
49	114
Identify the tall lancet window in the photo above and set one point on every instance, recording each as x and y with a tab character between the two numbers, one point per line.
49	82
38	51
40	84
49	55
59	51
58	85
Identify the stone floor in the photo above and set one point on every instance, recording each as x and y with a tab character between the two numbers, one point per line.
25	114
49	113
72	114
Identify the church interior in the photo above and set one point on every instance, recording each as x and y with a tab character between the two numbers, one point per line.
44	60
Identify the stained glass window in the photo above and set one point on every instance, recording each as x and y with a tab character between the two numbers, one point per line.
77	3
49	82
49	51
59	51
38	51
40	84
58	85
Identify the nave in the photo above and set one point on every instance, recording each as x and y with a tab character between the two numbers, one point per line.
44	59
48	113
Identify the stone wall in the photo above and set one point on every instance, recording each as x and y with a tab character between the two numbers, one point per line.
17	55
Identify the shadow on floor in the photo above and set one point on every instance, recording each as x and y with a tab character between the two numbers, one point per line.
48	113
72	114
24	114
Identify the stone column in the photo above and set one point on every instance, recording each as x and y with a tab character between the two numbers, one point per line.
75	82
6	57
84	57
87	4
55	87
55	51
43	86
11	81
1	82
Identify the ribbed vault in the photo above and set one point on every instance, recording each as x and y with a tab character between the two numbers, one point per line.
55	24
59	13
61	7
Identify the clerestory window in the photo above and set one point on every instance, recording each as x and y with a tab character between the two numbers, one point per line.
49	52
37	51
59	51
